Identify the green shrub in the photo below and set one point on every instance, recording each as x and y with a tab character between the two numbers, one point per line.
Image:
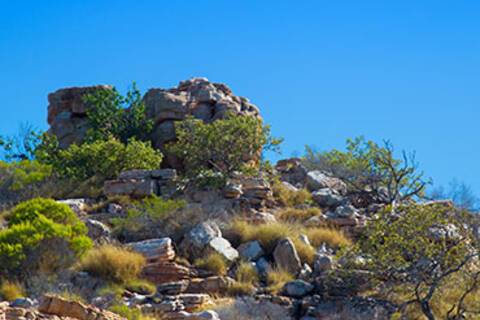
32	227
222	146
145	214
101	159
113	263
114	115
21	180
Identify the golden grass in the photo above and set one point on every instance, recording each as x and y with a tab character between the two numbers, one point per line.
287	197
333	238
306	252
214	263
11	290
246	273
113	263
269	234
277	278
298	215
240	289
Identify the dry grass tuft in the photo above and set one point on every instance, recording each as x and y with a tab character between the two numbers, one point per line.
277	278
113	263
11	290
305	251
267	234
295	215
214	263
290	198
331	237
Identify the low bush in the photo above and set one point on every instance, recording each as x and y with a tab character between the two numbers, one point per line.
113	263
33	227
143	215
214	263
22	180
11	290
103	159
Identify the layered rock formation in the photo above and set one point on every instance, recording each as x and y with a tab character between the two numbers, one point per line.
197	97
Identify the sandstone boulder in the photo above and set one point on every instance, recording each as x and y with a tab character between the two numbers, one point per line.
327	197
316	180
61	307
206	238
155	250
286	257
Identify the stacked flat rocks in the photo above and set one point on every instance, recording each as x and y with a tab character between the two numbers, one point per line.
142	183
197	97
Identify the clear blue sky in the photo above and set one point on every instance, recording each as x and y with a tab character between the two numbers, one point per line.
321	71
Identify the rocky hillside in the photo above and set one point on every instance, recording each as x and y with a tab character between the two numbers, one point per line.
175	220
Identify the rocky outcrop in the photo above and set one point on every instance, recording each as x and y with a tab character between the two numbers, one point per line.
67	113
197	97
292	171
319	180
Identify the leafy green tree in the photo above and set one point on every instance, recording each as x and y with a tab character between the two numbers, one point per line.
36	222
123	117
371	171
418	250
221	147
